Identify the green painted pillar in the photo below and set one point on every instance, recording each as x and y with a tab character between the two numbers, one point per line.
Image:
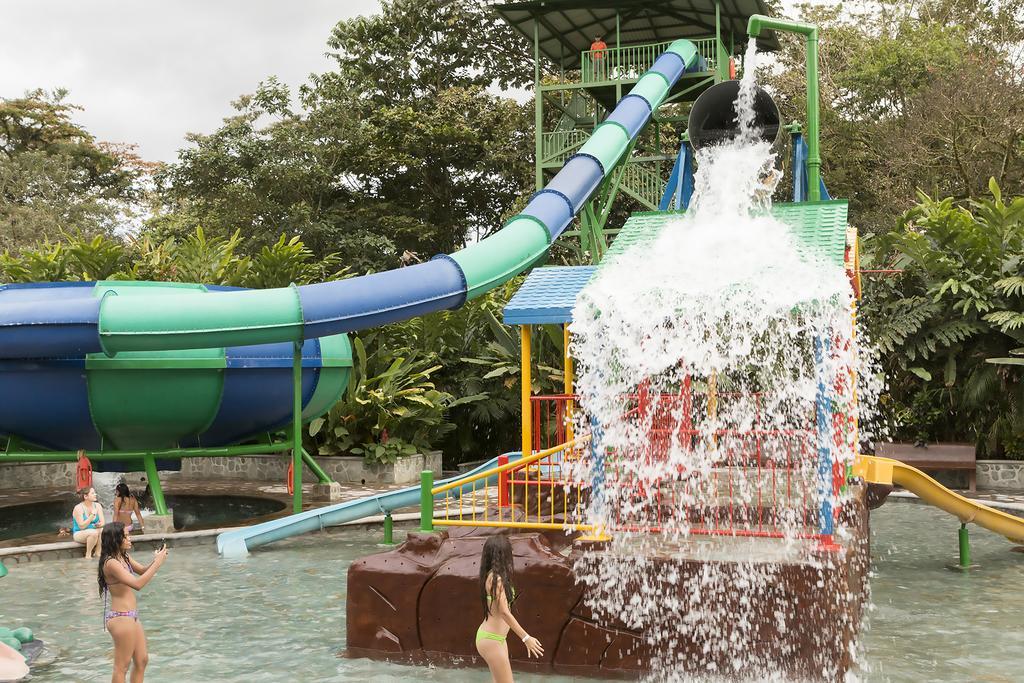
965	547
813	113
297	428
159	504
3	570
427	500
757	24
538	106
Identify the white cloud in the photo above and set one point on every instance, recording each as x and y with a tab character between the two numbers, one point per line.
148	72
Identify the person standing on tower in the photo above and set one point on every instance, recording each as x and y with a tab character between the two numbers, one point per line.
597	49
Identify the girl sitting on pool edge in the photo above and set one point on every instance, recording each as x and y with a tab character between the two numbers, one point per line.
496	596
87	521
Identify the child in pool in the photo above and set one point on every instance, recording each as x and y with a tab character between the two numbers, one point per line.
496	597
126	505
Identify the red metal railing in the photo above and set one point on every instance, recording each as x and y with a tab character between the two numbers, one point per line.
745	482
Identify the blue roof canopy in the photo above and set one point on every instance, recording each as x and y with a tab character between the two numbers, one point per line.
548	295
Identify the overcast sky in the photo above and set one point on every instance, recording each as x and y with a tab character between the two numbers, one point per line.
150	71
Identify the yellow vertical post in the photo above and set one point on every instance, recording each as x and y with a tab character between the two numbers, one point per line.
525	362
567	372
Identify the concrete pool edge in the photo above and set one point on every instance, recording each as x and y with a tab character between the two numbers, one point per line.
26	554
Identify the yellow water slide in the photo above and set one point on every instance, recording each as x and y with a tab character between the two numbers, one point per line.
877	470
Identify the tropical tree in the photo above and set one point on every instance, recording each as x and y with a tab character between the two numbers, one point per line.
957	302
914	96
54	176
398	153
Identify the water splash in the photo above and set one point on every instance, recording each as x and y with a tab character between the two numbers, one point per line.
716	366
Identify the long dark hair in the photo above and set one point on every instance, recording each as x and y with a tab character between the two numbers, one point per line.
122	491
496	559
111	541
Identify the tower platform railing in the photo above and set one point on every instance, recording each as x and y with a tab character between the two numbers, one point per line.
629	62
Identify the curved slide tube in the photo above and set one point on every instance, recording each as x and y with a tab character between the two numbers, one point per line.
113	323
887	471
238	542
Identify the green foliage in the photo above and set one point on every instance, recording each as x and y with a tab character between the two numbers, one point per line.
391	407
479	358
195	258
957	304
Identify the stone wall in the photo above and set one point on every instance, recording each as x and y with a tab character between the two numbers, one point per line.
1001	475
268	468
37	475
274	468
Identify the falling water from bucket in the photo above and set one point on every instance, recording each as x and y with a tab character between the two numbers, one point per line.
702	359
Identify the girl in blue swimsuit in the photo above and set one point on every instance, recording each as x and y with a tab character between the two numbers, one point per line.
119	577
86	522
496	597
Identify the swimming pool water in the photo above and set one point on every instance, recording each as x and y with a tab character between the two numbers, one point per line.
279	615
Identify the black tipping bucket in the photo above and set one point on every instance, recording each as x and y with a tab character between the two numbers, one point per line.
713	116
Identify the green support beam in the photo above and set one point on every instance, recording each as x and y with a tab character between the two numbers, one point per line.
315	468
297	428
159	504
163	454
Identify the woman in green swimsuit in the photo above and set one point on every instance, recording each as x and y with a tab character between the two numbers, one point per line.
496	597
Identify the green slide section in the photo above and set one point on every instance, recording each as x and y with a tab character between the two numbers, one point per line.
172	393
227	319
335	371
503	255
131	323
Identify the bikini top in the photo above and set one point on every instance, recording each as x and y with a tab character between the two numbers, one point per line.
92	525
514	596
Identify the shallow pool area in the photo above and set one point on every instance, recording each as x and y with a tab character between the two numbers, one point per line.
280	613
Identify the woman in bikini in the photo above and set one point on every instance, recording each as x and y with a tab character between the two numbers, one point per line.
86	522
125	505
496	596
119	577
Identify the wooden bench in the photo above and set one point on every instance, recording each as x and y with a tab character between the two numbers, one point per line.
938	456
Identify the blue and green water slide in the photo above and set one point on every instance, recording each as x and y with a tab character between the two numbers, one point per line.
129	365
142	369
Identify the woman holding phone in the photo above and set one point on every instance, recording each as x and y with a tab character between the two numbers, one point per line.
119	577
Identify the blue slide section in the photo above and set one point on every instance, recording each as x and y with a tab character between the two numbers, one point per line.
86	324
238	542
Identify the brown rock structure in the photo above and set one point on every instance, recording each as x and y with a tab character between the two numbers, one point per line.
420	602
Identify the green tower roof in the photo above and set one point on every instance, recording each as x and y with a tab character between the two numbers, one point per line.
567	27
819	227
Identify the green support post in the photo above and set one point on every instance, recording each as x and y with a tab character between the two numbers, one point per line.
389	529
965	547
315	468
159	504
427	500
758	23
3	570
297	428
538	107
721	56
